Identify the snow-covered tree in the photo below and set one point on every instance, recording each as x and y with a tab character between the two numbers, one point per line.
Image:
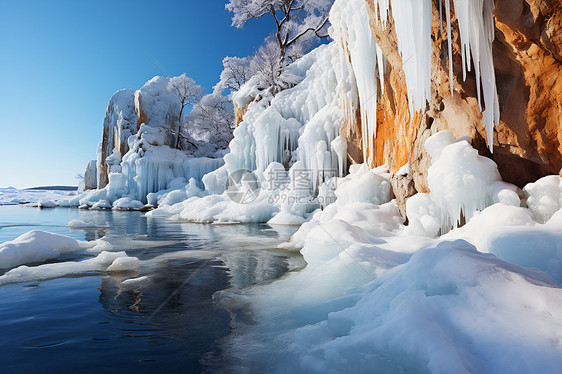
186	89
212	120
188	93
296	21
236	71
269	68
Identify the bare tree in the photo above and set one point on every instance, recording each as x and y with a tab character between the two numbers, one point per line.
188	93
295	20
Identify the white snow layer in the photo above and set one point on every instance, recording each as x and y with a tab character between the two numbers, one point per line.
12	195
483	298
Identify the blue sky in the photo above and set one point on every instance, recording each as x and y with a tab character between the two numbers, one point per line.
60	62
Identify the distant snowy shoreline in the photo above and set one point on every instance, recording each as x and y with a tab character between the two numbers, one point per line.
15	196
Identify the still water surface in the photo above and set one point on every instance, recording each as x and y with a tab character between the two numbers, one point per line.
88	323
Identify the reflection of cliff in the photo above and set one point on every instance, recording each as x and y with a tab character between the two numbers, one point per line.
174	313
248	269
527	63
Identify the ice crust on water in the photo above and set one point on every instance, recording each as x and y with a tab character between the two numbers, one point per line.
56	270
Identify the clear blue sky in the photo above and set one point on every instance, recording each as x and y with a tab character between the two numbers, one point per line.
60	62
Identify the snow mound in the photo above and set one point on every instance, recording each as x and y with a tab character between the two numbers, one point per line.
544	197
461	182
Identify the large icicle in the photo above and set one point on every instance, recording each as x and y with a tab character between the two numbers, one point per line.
412	20
476	27
352	31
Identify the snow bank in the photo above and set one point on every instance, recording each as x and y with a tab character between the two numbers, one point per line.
35	246
371	296
425	316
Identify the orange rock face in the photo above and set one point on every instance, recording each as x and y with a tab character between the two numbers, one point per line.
239	113
528	64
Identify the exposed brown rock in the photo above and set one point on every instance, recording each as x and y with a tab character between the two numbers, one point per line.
239	113
528	66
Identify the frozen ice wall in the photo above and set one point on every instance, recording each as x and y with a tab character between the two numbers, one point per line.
299	124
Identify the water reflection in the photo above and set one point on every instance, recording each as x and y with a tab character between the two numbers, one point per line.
92	322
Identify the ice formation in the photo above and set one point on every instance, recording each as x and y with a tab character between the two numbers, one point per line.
376	293
413	24
120	123
299	124
545	197
461	183
351	30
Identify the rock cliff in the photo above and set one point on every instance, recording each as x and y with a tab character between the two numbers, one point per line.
120	123
527	143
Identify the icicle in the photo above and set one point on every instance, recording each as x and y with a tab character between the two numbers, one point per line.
448	15
441	16
476	27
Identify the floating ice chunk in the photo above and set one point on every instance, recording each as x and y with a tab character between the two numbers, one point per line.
107	258
77	223
57	270
47	204
124	264
135	283
101	245
35	246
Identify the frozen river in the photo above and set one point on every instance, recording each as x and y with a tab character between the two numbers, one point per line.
89	322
